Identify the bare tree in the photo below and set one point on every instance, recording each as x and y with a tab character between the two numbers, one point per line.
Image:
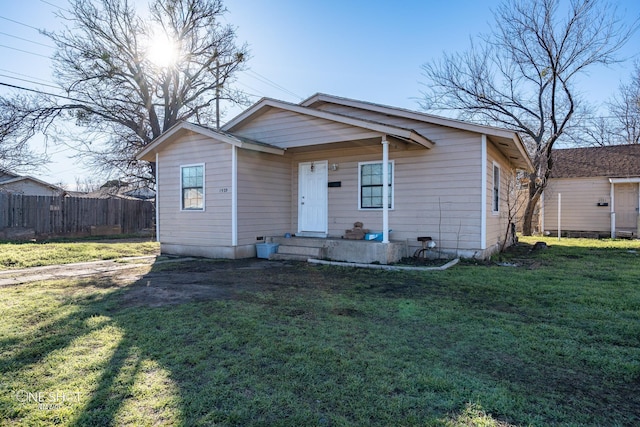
625	109
522	74
86	185
117	91
15	153
592	130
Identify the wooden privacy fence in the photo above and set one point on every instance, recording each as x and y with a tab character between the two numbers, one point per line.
25	216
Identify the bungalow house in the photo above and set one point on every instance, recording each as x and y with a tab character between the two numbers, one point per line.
27	185
593	192
312	170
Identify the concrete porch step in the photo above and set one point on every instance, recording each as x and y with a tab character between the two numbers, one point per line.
308	251
288	257
337	249
312	242
297	250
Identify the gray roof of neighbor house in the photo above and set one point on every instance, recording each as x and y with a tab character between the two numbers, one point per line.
613	161
7	177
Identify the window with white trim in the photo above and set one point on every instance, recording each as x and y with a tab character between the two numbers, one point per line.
370	185
192	186
496	189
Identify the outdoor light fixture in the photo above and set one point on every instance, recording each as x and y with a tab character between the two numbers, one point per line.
334	167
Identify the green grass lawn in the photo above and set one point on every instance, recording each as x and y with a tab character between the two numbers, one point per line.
15	255
555	341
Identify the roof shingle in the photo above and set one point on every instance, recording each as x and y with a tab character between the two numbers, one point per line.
614	161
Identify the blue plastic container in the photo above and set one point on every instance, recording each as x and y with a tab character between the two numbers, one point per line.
263	250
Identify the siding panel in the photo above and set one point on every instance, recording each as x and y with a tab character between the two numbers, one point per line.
264	195
580	210
211	227
497	223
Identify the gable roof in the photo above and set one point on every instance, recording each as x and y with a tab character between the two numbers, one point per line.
614	161
11	178
148	152
507	141
5	175
267	103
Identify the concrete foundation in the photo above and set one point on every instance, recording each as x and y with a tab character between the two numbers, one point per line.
336	249
223	252
359	251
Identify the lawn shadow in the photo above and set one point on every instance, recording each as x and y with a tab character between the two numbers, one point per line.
260	343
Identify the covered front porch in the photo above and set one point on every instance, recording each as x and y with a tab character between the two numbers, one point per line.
337	249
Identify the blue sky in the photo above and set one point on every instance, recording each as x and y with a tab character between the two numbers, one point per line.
369	50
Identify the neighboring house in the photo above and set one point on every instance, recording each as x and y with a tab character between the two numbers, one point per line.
27	185
116	189
314	169
596	191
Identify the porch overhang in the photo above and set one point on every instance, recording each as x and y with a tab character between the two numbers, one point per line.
629	180
508	142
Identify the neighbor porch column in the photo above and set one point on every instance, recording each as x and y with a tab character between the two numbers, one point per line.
612	210
385	190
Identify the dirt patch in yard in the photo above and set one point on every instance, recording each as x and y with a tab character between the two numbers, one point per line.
200	280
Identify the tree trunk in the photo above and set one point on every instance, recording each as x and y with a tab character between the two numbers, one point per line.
527	218
534	196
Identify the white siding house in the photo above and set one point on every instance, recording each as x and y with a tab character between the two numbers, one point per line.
313	169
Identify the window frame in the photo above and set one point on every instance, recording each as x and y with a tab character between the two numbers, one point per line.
495	190
182	188
391	185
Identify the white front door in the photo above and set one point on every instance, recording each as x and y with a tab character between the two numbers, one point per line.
626	206
313	199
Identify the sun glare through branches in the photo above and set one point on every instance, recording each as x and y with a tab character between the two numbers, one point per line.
161	51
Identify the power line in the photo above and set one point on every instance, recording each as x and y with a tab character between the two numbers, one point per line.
24	51
54	5
26	40
29	81
251	73
40	92
253	89
27	76
273	84
20	23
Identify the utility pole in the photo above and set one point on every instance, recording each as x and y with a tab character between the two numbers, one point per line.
217	94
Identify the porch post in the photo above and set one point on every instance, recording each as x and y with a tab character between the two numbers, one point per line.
385	190
234	196
157	207
612	210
